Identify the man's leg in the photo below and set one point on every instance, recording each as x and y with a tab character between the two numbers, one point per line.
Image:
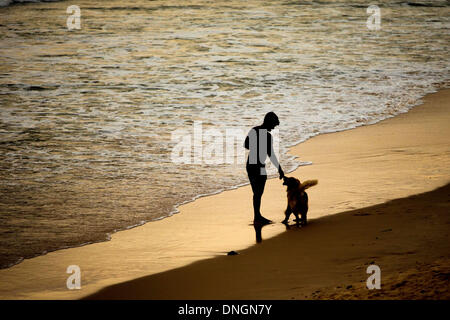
258	179
258	190
257	205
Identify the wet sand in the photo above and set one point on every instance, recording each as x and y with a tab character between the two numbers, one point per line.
358	168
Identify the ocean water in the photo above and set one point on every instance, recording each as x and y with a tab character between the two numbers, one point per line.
87	116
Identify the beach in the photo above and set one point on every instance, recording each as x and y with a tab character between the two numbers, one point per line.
93	120
353	223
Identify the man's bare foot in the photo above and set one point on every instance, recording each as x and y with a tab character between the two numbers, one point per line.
261	220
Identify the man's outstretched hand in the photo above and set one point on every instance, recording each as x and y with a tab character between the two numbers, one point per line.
281	173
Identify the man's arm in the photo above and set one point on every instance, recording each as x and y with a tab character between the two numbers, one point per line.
273	158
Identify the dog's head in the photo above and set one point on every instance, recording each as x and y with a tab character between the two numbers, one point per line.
291	182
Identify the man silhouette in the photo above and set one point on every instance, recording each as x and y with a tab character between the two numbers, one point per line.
259	142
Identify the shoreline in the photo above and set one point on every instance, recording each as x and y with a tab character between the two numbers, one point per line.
232	230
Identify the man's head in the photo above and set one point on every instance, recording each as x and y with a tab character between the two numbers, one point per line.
270	121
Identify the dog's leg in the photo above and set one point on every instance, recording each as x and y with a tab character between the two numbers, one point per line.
287	214
304	219
297	220
304	210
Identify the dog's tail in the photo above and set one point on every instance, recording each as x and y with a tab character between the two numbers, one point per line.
308	184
